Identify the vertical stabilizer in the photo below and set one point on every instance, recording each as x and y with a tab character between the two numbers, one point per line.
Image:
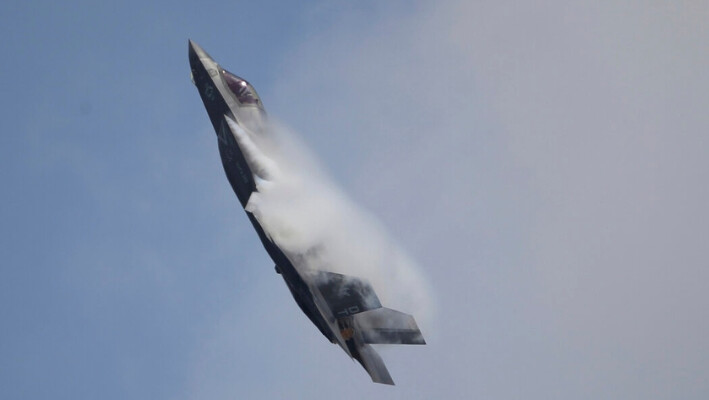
373	364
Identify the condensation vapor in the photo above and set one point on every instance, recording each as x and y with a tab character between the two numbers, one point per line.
320	228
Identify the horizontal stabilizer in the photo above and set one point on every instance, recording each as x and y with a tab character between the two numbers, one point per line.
387	326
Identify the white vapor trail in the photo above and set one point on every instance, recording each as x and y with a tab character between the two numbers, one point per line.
320	228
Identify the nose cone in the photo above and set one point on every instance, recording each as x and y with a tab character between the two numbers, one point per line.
196	52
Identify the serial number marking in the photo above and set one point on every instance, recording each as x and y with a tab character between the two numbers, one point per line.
348	311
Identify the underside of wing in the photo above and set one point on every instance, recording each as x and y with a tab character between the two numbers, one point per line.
346	295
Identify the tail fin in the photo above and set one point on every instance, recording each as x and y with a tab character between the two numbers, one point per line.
373	364
387	326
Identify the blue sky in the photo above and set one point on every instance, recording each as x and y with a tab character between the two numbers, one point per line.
544	163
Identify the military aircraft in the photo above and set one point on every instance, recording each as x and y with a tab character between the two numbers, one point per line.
344	308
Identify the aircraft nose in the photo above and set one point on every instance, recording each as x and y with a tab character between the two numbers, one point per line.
196	51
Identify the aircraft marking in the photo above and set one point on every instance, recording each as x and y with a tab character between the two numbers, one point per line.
348	311
209	92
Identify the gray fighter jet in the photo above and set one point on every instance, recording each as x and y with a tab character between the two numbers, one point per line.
344	308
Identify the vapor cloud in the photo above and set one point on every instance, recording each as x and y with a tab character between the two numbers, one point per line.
556	155
320	228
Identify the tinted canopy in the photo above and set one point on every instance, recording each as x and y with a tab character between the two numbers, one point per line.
244	92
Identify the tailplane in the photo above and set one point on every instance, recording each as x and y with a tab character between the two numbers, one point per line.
387	326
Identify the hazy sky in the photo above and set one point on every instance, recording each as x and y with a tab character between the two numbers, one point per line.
544	162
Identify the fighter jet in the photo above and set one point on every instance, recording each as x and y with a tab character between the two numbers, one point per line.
344	308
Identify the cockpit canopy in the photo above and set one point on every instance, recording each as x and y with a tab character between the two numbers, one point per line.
244	92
